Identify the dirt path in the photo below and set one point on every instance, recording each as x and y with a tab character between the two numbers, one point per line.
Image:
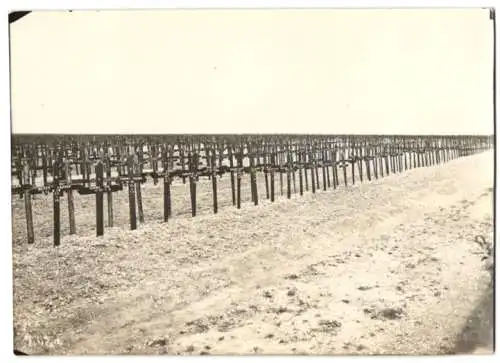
384	267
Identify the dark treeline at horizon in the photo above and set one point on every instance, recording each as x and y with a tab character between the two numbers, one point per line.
82	135
74	139
53	140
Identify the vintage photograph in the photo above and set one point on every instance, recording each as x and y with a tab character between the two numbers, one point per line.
253	181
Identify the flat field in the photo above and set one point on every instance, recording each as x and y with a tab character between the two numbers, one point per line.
383	267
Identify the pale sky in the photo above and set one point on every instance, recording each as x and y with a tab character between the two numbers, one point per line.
253	71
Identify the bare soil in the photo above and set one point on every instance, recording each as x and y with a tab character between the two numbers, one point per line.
383	267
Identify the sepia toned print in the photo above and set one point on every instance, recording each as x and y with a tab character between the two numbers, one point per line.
208	243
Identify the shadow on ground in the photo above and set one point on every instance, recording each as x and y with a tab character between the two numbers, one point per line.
477	335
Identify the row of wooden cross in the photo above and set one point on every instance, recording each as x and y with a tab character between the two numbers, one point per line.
101	184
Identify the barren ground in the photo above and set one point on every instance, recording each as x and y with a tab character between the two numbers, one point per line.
385	267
